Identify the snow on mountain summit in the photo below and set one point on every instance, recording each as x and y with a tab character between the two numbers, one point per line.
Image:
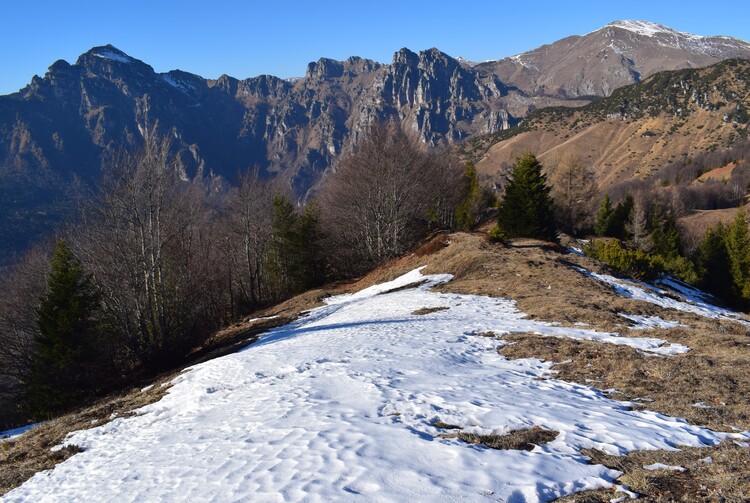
112	53
646	28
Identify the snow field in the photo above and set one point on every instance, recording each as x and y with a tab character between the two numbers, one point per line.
340	406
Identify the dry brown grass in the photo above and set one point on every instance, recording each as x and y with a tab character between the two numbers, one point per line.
427	310
724	478
519	440
22	457
718	377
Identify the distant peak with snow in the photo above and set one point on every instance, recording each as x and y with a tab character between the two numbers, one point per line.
111	52
646	28
651	29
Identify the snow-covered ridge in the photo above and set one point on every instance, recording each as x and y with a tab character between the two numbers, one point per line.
669	37
114	56
342	405
180	85
645	28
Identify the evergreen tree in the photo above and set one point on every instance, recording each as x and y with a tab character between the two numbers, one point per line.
665	235
284	253
526	210
66	355
468	209
712	262
604	217
312	262
738	250
620	216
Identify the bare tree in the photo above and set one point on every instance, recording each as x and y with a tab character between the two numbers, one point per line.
21	290
574	193
148	241
637	225
377	201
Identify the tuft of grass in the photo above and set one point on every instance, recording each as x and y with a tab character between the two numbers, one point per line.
725	478
519	440
445	426
489	333
427	310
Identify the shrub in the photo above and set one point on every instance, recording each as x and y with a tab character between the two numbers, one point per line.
632	263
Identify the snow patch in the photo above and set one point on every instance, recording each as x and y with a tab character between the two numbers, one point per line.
177	84
661	466
114	56
645	28
342	404
679	299
642	322
16	432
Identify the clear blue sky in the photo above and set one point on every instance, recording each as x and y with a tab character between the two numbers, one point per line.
248	38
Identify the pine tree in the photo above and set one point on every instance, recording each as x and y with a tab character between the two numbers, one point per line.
312	262
467	211
284	247
620	216
64	363
738	249
665	235
712	261
526	210
604	217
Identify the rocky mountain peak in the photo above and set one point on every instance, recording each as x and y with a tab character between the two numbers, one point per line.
405	57
645	28
324	68
109	54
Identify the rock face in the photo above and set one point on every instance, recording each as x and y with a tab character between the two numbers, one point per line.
56	131
66	121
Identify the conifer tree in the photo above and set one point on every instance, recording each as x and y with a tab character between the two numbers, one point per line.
66	345
712	262
604	217
738	250
467	211
284	249
526	210
665	235
620	217
312	262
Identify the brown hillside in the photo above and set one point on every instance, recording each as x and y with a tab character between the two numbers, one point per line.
640	129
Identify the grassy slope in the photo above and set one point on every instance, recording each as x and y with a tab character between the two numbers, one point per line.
637	130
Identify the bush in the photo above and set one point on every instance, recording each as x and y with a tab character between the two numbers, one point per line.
632	263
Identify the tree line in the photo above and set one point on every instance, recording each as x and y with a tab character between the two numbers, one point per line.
155	264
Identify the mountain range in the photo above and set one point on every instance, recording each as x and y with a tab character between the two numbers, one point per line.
55	132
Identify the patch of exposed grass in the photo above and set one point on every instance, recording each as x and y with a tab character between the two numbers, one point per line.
711	474
445	426
489	333
520	440
427	310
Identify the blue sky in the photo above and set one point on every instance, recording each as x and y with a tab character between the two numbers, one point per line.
249	38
